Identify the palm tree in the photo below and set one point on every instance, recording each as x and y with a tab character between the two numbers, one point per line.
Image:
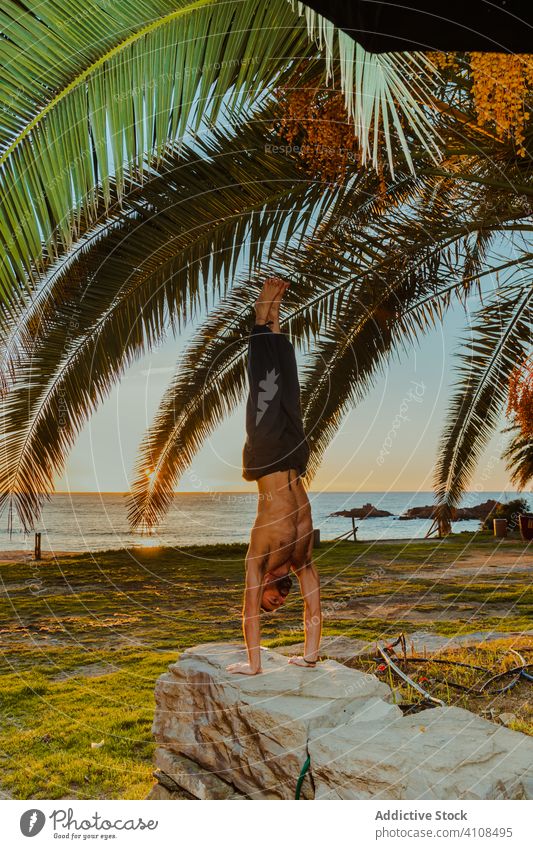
372	270
97	104
371	280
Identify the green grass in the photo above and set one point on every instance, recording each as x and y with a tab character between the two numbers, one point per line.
438	678
134	611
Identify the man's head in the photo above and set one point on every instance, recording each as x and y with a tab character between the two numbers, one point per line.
275	591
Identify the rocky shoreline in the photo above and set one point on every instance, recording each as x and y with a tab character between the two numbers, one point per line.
429	511
478	511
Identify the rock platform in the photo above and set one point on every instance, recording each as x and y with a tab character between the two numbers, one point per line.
221	735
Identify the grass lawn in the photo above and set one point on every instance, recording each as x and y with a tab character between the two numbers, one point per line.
84	638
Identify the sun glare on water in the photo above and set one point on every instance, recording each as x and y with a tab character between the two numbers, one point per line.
149	541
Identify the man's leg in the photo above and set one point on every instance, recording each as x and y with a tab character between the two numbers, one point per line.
265	425
276	494
275	437
298	453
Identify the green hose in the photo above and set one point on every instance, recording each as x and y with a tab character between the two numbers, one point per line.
301	777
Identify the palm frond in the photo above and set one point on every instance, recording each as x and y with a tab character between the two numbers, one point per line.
421	258
210	379
519	457
242	194
334	293
498	339
209	382
113	301
367	330
384	92
87	94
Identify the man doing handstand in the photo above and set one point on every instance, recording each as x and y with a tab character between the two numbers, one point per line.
275	455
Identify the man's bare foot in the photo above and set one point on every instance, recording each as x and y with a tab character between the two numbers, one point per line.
242	669
271	288
273	315
301	661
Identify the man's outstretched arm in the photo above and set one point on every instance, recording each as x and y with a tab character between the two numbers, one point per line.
310	587
251	615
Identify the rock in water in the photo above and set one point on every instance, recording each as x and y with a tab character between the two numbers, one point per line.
254	733
367	511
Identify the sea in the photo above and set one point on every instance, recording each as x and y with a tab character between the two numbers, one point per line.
98	521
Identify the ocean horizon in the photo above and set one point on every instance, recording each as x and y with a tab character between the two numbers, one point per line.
97	521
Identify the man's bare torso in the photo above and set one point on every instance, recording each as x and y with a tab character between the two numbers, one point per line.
283	529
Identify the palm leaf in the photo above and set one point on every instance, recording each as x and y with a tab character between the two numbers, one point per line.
370	326
209	383
210	379
380	91
439	249
519	457
81	106
206	388
114	300
413	287
326	285
86	95
498	339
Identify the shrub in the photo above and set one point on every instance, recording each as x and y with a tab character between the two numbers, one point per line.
509	510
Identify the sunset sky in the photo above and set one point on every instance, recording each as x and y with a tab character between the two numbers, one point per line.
360	458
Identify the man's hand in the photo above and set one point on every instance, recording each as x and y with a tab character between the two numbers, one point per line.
242	668
301	661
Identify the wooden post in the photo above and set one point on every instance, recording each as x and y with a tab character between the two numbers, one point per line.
434	529
316	538
37	546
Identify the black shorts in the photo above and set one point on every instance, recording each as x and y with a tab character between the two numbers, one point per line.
275	438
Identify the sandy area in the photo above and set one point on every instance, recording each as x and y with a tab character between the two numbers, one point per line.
21	554
500	561
510	564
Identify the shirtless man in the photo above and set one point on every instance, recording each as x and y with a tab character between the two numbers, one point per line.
275	455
